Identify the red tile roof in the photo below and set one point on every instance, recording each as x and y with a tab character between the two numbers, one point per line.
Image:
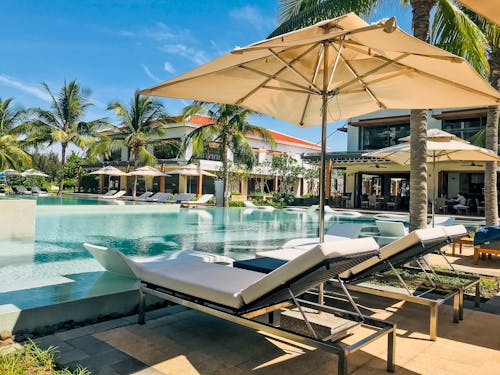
202	120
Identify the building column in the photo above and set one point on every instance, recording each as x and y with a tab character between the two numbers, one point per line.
328	181
200	185
162	179
275	184
101	183
79	179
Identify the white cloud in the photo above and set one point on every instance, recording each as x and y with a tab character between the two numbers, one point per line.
168	67
32	90
197	56
149	74
253	16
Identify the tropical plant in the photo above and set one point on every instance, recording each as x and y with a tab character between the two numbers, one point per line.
141	125
64	123
228	131
11	153
301	13
489	136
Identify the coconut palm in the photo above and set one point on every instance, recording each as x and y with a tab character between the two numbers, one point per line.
11	153
300	13
64	123
142	125
445	38
229	131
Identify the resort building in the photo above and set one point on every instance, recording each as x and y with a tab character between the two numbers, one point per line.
204	168
388	181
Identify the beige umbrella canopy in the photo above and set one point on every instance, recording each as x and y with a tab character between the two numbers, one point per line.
109	170
441	146
33	173
146	171
489	9
191	170
333	70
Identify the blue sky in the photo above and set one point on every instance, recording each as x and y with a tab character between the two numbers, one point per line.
114	47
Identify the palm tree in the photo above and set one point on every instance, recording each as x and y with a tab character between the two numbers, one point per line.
64	123
301	13
229	131
489	137
142	125
11	153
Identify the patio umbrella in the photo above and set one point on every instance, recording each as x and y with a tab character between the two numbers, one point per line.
441	146
191	170
333	70
10	172
489	9
109	170
33	173
147	171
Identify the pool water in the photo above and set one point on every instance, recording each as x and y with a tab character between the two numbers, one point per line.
61	231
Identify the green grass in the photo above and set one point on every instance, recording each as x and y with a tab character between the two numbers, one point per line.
33	360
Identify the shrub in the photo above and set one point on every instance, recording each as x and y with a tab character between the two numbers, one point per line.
236	204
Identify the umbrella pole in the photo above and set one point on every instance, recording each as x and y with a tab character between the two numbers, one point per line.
322	175
435	186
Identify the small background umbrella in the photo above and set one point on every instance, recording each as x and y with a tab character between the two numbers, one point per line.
145	171
9	172
191	170
441	147
34	173
110	171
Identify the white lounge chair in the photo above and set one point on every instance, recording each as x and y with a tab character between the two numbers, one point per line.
201	201
144	196
240	296
393	229
155	197
108	193
164	198
342	213
392	217
117	195
442	221
413	246
310	209
249	204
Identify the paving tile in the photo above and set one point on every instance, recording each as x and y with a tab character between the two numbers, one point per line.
90	345
129	366
67	357
73	333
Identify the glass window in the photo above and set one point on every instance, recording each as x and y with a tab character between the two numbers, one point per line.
465	128
380	136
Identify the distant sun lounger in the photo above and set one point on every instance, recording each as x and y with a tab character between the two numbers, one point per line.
252	206
117	195
200	202
240	296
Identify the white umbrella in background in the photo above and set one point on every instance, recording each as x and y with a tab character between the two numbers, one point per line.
191	170
11	172
110	171
146	171
335	69
34	173
441	147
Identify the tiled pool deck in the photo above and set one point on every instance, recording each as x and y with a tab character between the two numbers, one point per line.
179	341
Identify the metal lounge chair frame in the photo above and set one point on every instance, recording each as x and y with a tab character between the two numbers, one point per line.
281	297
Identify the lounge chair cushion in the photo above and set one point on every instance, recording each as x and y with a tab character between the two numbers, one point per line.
306	261
209	281
455	231
309	243
415	238
282	254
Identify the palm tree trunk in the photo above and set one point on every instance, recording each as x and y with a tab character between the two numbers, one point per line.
418	128
63	163
225	173
490	171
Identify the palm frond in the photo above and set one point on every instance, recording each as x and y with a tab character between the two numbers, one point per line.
453	31
296	14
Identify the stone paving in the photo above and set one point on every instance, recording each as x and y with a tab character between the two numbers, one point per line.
180	341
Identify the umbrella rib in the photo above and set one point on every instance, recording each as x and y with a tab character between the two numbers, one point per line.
289	66
447	81
365	86
242	99
337	58
276	78
315	75
286	89
374	70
